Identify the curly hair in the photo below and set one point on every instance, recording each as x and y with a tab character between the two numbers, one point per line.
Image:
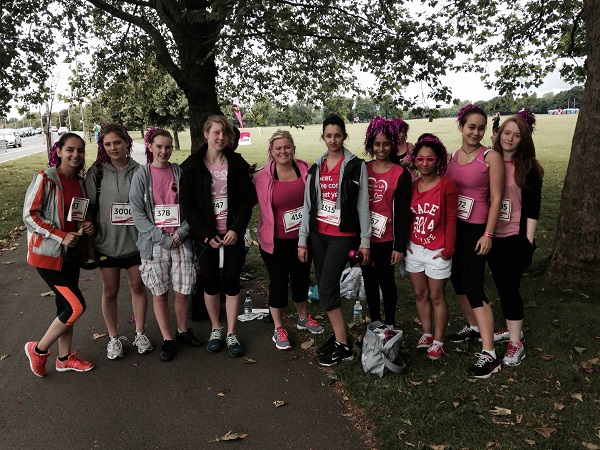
120	131
528	116
382	126
431	141
152	134
400	124
54	160
467	110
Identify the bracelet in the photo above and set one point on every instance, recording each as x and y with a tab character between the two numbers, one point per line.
304	247
489	235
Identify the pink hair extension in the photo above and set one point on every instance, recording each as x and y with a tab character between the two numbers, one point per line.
528	116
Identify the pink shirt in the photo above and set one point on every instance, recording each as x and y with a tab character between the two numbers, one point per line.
218	192
329	182
382	187
473	182
287	197
510	211
164	189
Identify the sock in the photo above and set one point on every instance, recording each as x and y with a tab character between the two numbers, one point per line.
179	331
440	343
302	319
518	344
473	327
427	334
492	353
139	333
63	358
39	352
116	336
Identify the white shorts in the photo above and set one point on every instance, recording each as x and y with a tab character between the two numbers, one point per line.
421	260
174	266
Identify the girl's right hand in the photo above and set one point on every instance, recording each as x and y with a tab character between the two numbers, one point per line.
409	249
215	242
439	255
70	240
303	254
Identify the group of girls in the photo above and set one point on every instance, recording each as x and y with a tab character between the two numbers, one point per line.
444	224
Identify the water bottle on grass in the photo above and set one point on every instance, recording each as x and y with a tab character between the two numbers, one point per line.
248	306
358	318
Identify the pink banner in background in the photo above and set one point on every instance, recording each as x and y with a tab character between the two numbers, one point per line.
238	115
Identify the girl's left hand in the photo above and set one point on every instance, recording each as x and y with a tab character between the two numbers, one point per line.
176	241
230	238
397	257
88	228
484	245
366	252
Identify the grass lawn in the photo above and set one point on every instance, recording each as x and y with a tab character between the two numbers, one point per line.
550	401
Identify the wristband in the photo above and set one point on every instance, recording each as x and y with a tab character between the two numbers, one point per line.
304	247
489	235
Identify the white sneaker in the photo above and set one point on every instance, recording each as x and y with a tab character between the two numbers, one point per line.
504	336
143	344
114	349
514	354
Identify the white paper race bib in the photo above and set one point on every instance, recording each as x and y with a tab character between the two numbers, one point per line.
166	216
120	214
292	219
465	205
78	209
378	223
328	213
220	207
505	209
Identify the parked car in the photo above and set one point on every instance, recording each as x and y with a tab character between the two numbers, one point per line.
39	131
53	129
62	130
10	137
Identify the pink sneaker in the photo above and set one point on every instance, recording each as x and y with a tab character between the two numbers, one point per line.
37	362
425	342
435	351
73	363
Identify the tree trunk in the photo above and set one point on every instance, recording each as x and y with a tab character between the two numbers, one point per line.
176	140
575	260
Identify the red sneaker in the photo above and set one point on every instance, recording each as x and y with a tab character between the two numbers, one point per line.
37	362
73	363
425	341
435	351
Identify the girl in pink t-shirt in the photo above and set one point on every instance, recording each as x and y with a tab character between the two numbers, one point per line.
389	198
432	235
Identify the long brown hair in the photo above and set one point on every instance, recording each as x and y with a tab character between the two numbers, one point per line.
524	158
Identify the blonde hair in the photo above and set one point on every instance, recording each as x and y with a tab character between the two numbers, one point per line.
281	134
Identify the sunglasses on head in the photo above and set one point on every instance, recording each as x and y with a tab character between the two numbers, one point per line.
422	159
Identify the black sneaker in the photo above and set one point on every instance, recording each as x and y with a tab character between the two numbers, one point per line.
340	353
485	366
327	347
188	338
465	335
168	350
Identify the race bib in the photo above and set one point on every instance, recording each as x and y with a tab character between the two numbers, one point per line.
220	207
328	213
465	205
120	214
166	216
78	209
378	223
292	219
505	209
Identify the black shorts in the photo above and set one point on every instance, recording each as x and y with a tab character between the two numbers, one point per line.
120	263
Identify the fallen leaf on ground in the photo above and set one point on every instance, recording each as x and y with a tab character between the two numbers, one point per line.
590	363
47	294
590	446
7	262
416	383
437	447
3	357
230	436
220	394
307	344
318	317
559	406
519	418
547	357
99	335
577	396
278	403
455	404
580	350
546	431
583	295
497	411
530	442
249	360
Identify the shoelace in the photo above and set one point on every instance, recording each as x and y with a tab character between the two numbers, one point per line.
435	347
116	343
141	339
232	339
217	333
282	335
483	358
424	339
310	322
466	330
511	350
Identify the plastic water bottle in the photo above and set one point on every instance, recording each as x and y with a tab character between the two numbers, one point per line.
358	318
248	306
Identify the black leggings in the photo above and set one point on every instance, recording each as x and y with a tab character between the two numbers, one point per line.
381	274
70	303
232	268
507	261
286	269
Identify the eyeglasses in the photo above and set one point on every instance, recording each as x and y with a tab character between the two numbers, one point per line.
422	159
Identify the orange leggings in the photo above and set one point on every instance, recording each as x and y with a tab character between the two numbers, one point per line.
70	303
